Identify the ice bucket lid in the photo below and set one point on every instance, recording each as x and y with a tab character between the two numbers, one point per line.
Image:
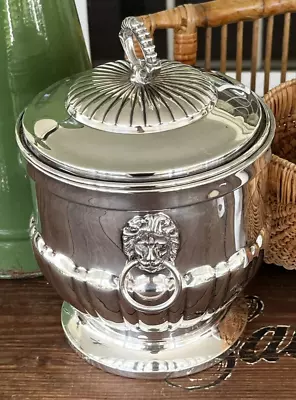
142	119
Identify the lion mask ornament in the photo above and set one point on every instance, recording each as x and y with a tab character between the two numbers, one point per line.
151	240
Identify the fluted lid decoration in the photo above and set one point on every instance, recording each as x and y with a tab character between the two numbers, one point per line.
142	119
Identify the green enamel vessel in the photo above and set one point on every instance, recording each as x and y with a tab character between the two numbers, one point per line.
41	42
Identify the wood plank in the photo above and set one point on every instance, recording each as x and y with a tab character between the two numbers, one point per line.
208	54
285	51
268	53
255	39
239	50
223	61
36	363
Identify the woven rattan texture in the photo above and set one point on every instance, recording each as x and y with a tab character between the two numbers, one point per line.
282	177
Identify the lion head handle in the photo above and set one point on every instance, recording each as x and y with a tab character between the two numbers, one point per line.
151	240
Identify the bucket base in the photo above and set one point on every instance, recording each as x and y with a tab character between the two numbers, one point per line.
154	360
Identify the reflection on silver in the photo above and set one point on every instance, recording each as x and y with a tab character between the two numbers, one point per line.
134	171
44	127
96	283
142	234
129	287
238	102
106	98
144	70
140	96
98	347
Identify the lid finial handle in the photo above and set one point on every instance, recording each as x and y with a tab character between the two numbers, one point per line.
146	69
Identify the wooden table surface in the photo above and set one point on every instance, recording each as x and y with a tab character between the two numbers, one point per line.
36	362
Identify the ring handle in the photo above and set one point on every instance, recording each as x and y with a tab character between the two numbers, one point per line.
143	70
142	307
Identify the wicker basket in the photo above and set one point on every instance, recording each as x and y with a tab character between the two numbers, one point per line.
282	177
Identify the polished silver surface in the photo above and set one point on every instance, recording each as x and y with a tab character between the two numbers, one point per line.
151	244
107	98
151	236
124	356
151	240
143	163
181	299
140	96
144	70
129	286
84	252
178	122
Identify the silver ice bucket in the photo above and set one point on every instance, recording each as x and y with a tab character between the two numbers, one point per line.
149	180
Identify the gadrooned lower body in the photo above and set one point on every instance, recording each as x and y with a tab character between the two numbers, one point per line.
159	360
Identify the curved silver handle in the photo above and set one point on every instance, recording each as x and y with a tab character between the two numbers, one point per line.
143	70
142	307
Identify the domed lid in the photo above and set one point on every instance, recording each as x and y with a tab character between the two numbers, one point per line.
141	119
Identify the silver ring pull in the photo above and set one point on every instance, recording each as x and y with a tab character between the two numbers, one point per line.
143	70
153	309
